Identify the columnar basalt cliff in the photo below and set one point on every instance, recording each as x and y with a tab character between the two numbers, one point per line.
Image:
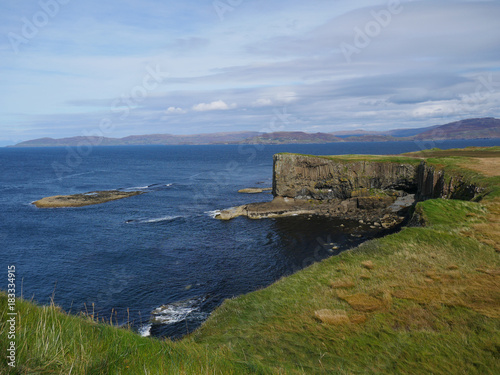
354	187
435	183
316	177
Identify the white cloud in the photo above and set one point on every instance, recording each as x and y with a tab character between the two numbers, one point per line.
262	102
218	105
286	97
175	111
433	110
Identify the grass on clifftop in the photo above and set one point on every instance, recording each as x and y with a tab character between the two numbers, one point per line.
355	158
52	342
425	300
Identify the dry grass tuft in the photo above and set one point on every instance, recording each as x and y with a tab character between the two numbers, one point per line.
358	318
364	302
492	272
342	284
433	275
487	166
416	317
368	265
452	275
332	317
488	232
425	294
480	292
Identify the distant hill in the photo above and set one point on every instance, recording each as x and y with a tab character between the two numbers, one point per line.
292	137
150	139
397	133
465	129
373	138
409	132
355	133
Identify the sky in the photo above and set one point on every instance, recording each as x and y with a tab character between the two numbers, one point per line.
118	68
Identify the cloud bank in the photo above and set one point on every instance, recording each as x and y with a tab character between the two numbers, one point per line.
67	66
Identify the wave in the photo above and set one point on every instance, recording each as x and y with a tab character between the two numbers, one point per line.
137	188
179	311
154	220
213	214
160	219
156	185
145	330
151	186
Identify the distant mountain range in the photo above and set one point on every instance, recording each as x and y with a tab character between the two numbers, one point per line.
465	129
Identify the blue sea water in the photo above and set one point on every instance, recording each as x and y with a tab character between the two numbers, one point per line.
159	255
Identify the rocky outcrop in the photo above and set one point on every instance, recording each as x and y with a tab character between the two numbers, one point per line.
356	188
86	199
254	190
323	178
437	183
312	177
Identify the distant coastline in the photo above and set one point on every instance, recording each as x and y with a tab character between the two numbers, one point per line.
478	128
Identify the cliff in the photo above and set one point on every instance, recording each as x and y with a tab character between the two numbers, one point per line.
316	177
355	187
344	177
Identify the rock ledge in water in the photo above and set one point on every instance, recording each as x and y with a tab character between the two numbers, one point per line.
85	199
254	190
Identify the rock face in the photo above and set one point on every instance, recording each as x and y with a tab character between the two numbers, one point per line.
307	177
316	177
432	183
354	188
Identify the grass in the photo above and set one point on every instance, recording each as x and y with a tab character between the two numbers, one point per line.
425	300
356	158
52	342
481	152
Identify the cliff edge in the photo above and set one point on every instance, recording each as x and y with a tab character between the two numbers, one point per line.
362	187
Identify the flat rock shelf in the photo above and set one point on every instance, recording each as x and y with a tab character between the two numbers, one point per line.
85	199
254	190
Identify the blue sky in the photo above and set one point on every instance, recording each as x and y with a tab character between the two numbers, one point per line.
118	68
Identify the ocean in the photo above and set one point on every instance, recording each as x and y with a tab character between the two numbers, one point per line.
160	260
